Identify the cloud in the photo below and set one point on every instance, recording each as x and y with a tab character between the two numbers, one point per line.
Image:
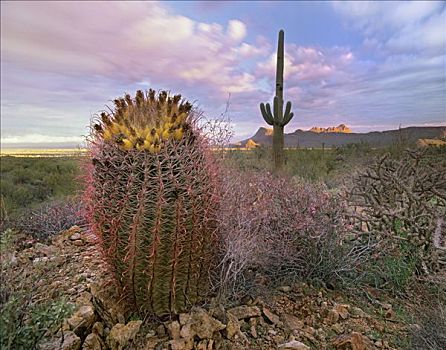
125	41
64	54
40	139
399	26
63	61
236	30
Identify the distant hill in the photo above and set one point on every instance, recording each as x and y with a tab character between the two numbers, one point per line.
342	128
344	136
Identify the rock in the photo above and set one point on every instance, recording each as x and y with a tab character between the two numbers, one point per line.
337	328
121	335
310	330
98	328
104	301
390	314
62	237
184	318
285	289
71	341
82	320
93	342
173	329
44	249
201	324
244	311
75	236
232	326
358	312
332	317
40	260
354	341
294	345
161	331
155	343
274	319
204	345
182	344
292	322
84	299
150	333
342	310
279	338
219	313
253	327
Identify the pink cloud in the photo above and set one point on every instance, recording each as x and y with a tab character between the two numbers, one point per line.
309	64
129	41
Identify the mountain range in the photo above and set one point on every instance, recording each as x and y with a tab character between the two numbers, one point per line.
342	135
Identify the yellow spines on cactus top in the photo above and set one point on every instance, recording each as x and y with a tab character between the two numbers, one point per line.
127	144
146	122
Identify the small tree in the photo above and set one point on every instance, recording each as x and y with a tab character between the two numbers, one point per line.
278	119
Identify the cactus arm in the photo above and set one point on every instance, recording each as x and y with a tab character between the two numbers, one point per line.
287	108
287	118
268	109
266	113
288	114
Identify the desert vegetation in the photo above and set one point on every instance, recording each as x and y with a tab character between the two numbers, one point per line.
179	229
277	117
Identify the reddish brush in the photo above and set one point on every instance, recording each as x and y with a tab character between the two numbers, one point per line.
282	228
151	201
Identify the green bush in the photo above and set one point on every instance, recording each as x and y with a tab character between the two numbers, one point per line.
394	273
23	324
27	182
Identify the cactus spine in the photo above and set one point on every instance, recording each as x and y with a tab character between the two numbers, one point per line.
278	119
151	200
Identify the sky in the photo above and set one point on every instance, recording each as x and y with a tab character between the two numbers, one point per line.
369	65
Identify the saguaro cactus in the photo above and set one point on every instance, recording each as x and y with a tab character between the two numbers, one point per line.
278	119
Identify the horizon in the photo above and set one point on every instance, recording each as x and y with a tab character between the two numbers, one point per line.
367	67
71	146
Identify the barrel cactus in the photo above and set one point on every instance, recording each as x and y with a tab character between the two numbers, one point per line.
151	201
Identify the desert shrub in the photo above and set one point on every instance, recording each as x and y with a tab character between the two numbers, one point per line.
7	240
430	333
49	218
402	203
283	229
28	182
23	324
392	272
310	164
25	317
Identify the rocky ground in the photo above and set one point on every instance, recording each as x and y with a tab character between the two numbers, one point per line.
292	317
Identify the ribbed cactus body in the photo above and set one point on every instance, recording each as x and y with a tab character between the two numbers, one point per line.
152	207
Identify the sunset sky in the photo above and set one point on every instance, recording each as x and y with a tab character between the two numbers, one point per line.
372	66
